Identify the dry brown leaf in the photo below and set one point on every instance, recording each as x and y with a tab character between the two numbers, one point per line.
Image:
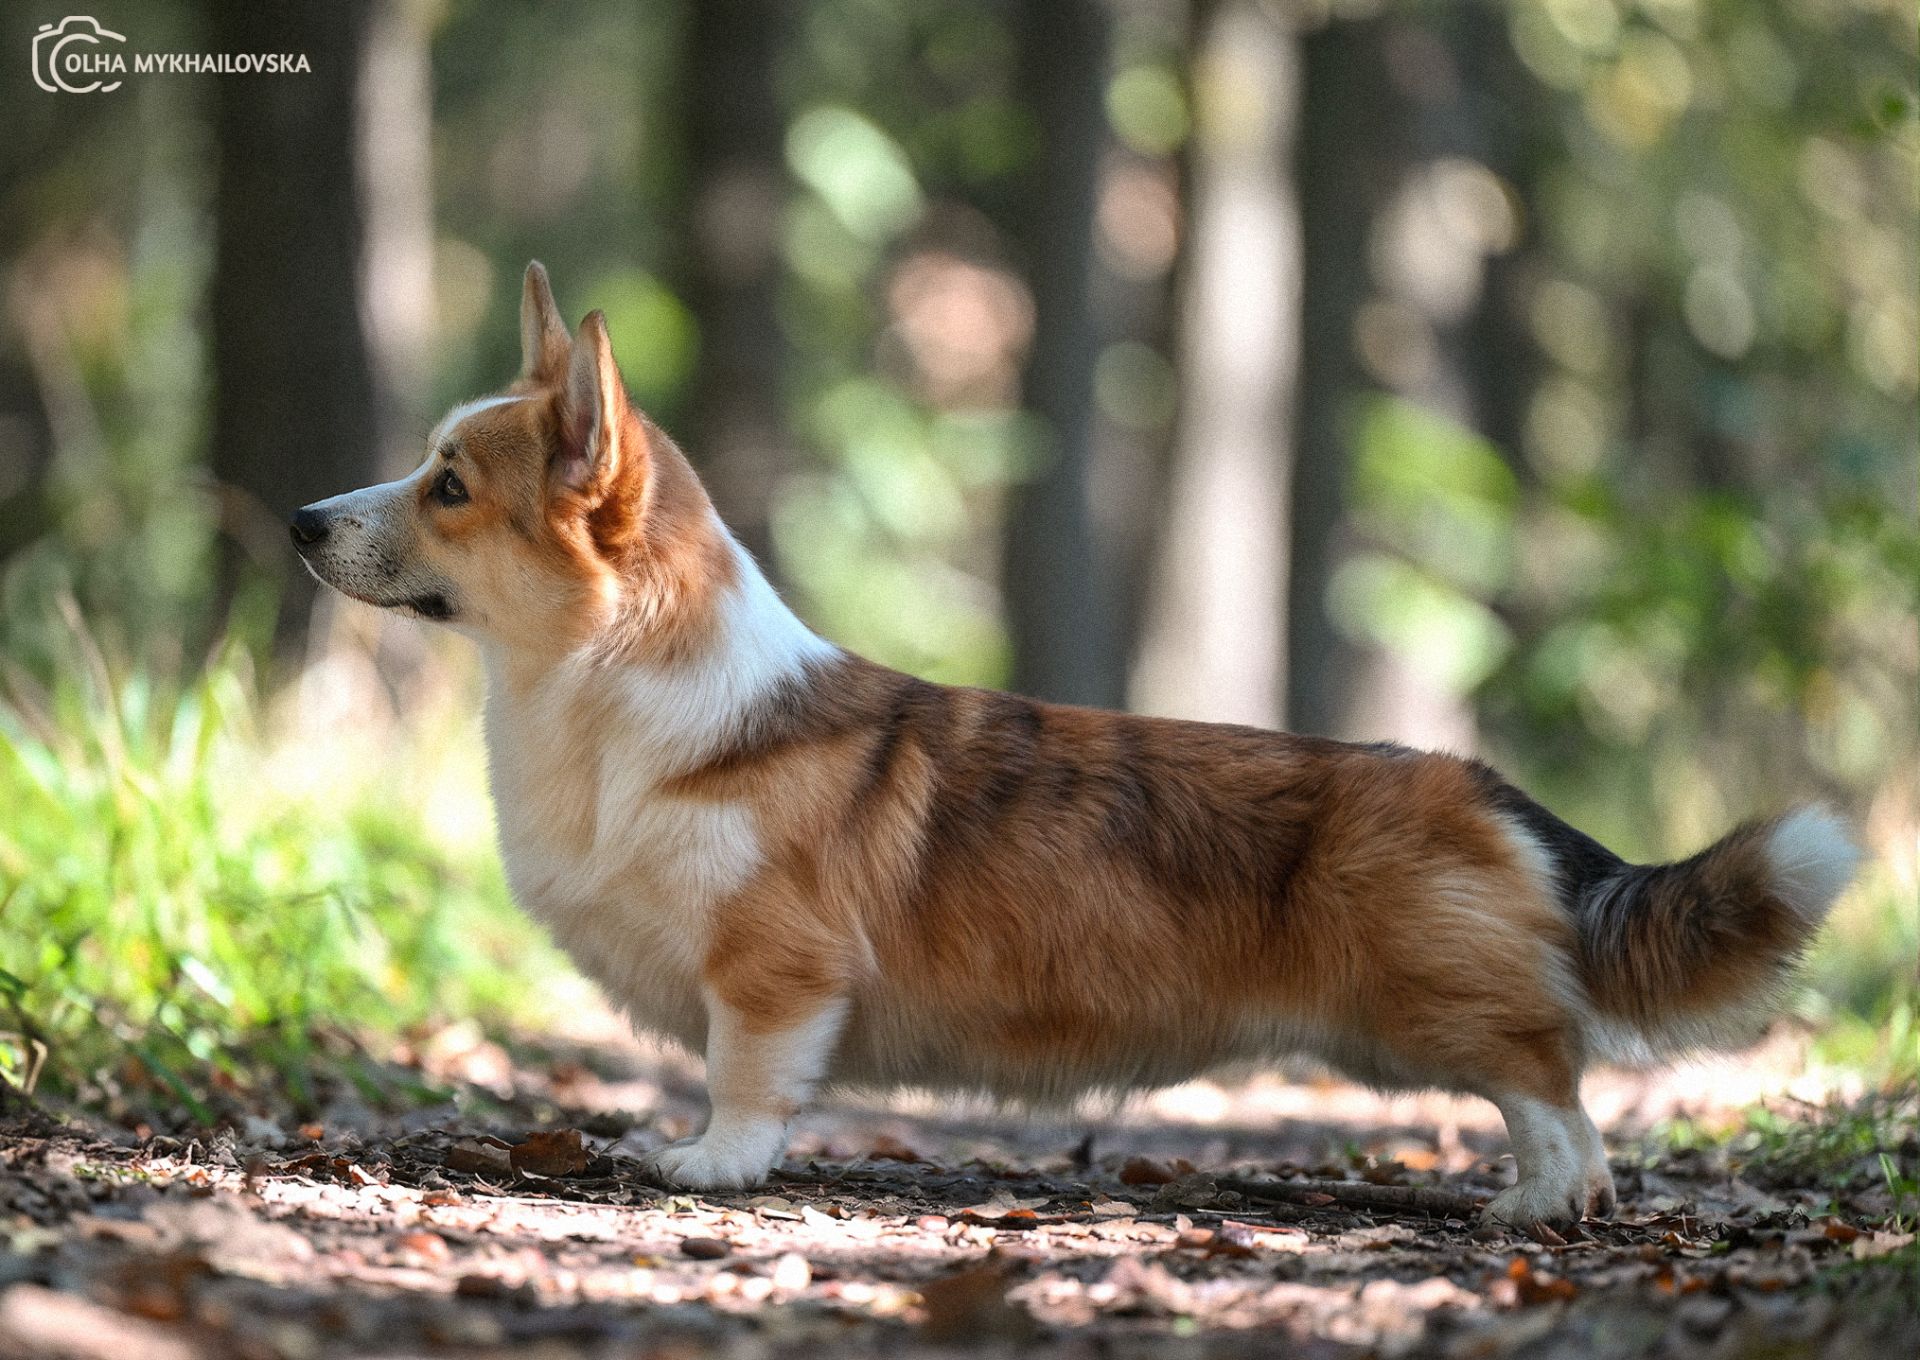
1146	1171
1532	1287
998	1216
556	1152
891	1149
1544	1234
479	1158
1880	1244
430	1247
971	1305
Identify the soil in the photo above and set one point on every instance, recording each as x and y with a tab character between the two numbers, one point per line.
1256	1218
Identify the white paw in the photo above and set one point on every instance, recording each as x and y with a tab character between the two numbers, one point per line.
725	1157
1553	1199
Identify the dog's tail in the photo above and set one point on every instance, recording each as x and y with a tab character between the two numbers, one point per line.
1695	955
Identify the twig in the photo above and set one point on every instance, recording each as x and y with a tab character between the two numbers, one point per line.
1357	1195
1311	1194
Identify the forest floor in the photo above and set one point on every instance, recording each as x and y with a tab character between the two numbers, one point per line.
515	1222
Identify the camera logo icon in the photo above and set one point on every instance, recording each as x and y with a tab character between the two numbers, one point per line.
70	54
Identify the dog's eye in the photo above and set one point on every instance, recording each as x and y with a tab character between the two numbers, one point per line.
449	490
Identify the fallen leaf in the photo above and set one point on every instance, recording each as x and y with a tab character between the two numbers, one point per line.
557	1152
1877	1244
996	1216
774	1206
971	1305
891	1149
481	1287
478	1158
429	1247
158	1289
1146	1171
1532	1287
1544	1234
1196	1190
1001	1207
1236	1241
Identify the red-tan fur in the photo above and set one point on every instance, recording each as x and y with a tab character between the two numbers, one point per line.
1067	897
852	875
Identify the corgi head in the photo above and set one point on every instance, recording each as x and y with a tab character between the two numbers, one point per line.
540	517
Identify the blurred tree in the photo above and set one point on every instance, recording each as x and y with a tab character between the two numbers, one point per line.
736	423
1350	154
295	402
1060	582
1212	646
396	179
1437	320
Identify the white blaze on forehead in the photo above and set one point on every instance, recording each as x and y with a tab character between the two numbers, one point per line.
453	418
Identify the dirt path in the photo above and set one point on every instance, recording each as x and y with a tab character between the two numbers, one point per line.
902	1231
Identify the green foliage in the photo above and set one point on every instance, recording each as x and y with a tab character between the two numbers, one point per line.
1871	1139
1720	448
1681	586
171	913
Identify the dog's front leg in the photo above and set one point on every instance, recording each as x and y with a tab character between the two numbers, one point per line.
760	1071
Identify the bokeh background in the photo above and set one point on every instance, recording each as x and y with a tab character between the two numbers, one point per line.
1536	378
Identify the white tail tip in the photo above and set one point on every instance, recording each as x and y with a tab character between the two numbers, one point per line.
1813	858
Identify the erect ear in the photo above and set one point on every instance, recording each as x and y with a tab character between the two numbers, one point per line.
543	331
595	412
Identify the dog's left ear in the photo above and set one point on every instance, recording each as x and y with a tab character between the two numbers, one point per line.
543	331
595	414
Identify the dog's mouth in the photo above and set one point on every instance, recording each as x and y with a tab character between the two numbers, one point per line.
431	605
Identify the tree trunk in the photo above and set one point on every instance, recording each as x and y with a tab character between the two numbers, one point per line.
1062	597
1214	639
396	178
296	405
1350	156
735	427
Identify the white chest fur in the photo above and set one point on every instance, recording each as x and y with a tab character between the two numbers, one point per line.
624	873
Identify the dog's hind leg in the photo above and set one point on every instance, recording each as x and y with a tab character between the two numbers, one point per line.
1501	1031
1561	1161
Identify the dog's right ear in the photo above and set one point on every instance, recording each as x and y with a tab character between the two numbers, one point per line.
545	346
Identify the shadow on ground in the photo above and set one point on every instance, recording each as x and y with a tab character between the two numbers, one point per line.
904	1228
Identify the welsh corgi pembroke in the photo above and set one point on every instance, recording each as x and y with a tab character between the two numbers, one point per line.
813	869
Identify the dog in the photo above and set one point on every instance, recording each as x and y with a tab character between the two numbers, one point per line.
814	869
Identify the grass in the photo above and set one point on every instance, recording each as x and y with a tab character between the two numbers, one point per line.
211	904
190	926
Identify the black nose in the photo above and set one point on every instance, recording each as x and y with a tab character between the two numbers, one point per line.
309	526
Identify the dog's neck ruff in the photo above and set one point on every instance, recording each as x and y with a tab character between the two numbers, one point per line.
681	711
